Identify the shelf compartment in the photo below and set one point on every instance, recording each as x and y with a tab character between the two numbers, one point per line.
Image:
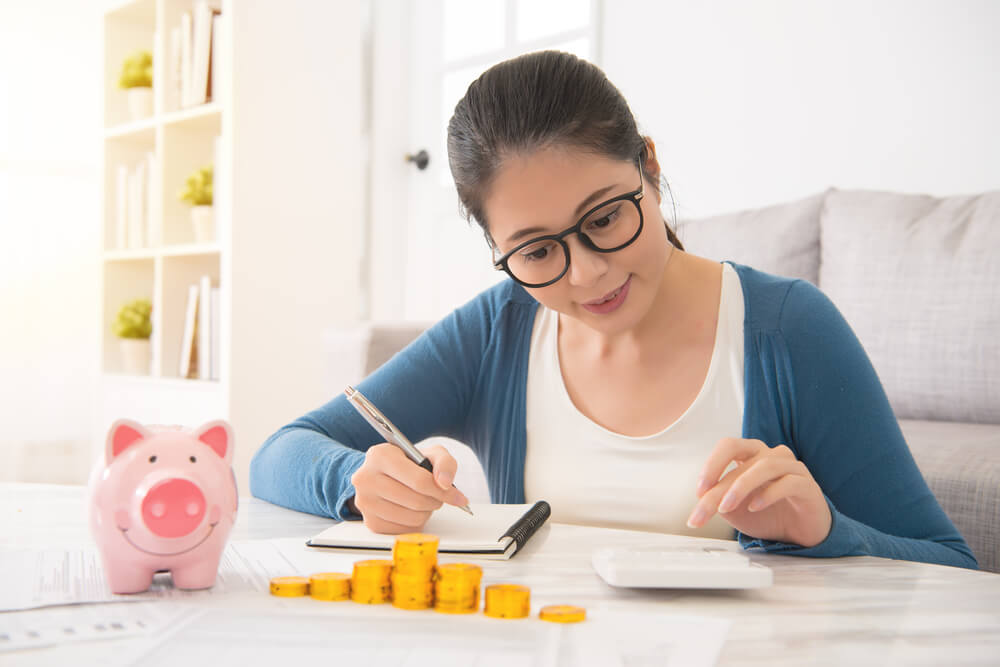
126	30
127	151
188	145
179	273
124	280
188	403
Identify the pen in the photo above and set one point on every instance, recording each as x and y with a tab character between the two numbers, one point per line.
387	430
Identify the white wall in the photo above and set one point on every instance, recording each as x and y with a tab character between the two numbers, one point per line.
752	103
50	101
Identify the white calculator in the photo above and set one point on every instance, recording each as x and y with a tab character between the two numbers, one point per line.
680	567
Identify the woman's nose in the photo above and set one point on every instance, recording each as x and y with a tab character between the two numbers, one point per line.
586	267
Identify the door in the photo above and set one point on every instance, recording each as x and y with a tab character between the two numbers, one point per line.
424	258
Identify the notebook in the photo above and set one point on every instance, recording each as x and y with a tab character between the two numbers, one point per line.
493	531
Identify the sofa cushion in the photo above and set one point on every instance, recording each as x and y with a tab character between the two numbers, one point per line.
960	464
781	239
918	279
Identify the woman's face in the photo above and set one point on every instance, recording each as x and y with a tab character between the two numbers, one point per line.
547	191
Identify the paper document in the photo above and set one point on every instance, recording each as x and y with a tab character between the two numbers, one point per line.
38	628
383	635
31	578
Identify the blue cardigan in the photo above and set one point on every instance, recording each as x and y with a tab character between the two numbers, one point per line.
809	385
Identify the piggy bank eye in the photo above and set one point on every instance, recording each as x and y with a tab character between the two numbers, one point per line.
192	459
152	459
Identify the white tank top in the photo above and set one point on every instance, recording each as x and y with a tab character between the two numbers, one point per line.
593	476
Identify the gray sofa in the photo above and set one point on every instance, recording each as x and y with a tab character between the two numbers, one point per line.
918	279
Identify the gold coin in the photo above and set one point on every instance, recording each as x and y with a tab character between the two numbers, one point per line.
456	588
372	570
289	587
507	601
410	592
370	583
415	554
562	613
330	586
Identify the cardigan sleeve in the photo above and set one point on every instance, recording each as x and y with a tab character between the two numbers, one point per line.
843	428
424	390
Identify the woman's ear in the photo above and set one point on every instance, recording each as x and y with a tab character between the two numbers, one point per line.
652	166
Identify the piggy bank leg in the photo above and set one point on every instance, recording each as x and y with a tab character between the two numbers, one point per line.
128	577
197	575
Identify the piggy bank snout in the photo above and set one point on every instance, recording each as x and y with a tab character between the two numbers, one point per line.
173	508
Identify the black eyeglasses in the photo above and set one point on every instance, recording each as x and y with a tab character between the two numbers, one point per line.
607	227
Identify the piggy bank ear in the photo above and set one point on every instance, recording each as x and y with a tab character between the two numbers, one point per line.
123	434
218	435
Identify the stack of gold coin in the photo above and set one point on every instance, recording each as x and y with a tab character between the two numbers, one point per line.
330	586
289	587
370	581
507	601
456	588
414	557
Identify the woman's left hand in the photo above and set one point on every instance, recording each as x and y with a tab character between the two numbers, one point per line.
769	495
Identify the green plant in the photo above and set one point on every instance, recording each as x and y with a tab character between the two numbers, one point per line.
198	189
137	71
133	320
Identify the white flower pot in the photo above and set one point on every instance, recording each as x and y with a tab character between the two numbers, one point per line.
140	102
203	221
135	356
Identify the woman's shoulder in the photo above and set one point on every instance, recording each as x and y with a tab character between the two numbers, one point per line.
773	302
503	309
505	297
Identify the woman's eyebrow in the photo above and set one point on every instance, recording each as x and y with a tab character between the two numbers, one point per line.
594	196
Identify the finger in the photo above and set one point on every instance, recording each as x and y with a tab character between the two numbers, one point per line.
725	452
784	488
386	512
379	525
708	504
391	489
757	474
444	464
390	460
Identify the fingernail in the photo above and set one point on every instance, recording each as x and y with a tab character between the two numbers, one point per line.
755	504
728	502
697	516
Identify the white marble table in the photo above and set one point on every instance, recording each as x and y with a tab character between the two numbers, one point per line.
836	612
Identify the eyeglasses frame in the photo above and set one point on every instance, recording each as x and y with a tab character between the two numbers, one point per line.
635	197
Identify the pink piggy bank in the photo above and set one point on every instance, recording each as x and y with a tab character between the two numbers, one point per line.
163	499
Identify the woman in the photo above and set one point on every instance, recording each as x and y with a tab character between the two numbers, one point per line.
625	381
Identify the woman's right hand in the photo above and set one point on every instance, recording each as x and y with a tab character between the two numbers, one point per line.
394	495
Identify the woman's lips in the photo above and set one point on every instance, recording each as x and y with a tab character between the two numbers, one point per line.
609	302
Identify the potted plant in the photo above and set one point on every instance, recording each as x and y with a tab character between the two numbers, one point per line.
198	192
133	328
137	81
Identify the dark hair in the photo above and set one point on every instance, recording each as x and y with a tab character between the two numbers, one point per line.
532	101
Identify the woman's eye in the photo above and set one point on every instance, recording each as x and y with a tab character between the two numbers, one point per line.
535	253
603	221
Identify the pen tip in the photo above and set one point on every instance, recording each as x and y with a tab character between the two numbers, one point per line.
466	508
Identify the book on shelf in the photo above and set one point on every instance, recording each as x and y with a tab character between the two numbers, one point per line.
204	328
188	343
215	323
121	208
191	62
135	218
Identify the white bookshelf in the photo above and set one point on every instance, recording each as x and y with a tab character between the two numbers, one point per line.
287	206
